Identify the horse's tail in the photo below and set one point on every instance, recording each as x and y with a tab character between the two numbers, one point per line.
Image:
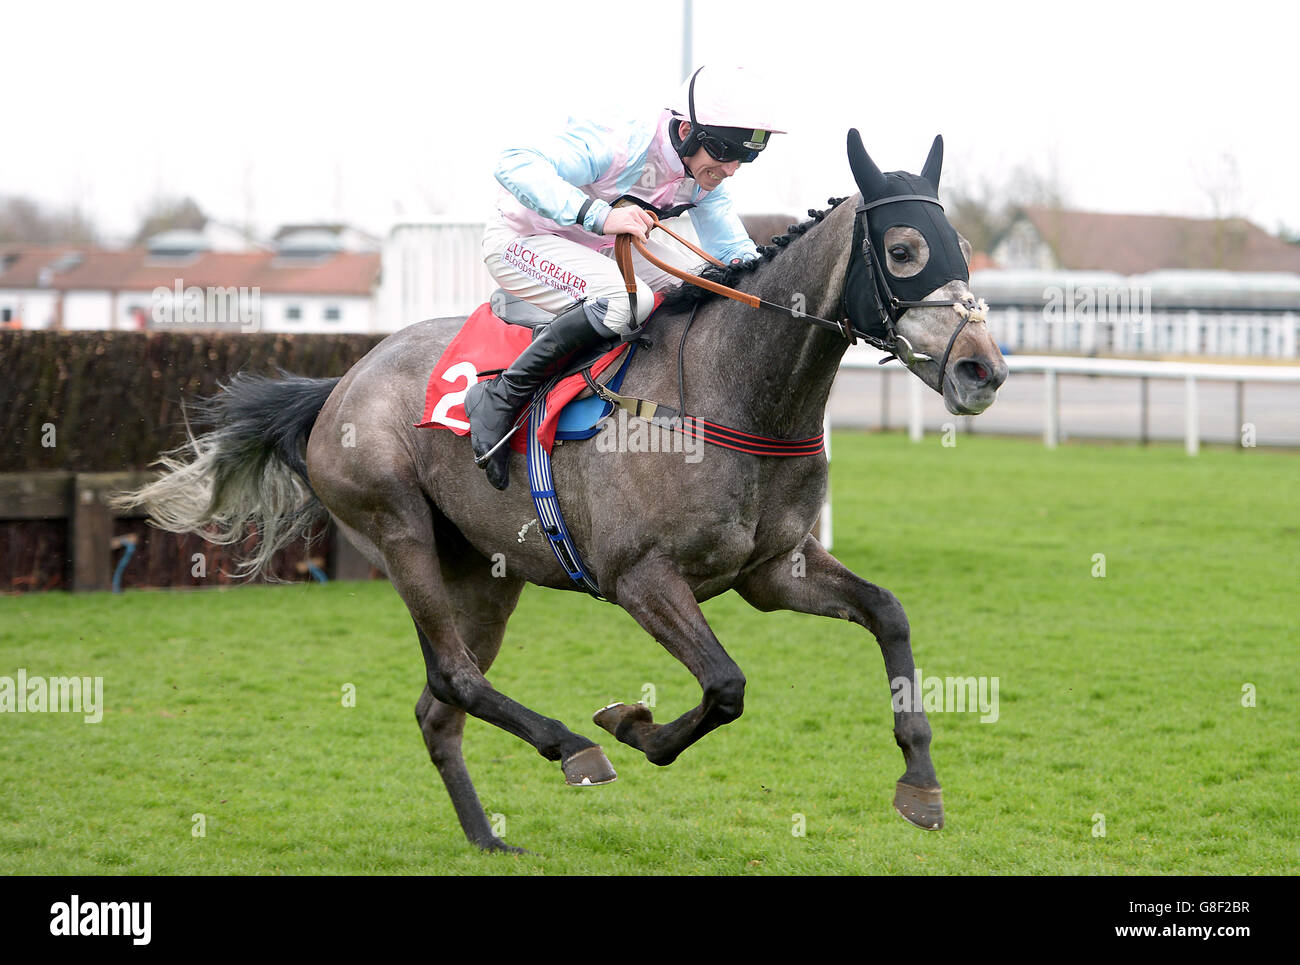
247	471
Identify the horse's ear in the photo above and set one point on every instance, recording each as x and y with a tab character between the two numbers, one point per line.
934	163
870	181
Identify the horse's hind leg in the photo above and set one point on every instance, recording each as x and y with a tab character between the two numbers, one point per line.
444	577
826	587
442	726
484	605
400	523
454	676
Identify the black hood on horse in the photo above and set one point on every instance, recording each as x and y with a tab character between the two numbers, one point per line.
875	297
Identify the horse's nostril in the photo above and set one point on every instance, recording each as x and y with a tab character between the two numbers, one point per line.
975	373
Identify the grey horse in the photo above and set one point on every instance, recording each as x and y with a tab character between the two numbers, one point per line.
660	533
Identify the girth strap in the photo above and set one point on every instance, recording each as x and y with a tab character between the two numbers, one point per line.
711	432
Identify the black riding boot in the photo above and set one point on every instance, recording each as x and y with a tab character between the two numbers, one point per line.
493	405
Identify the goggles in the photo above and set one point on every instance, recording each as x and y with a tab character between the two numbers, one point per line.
736	144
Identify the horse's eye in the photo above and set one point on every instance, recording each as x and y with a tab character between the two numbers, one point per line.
898	253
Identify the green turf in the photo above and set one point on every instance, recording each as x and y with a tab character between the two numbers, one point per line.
1119	696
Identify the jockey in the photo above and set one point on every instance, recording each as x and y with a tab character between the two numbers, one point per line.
551	241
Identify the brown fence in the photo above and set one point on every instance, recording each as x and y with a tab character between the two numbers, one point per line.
109	401
85	413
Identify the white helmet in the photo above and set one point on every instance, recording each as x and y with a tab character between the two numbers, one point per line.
726	112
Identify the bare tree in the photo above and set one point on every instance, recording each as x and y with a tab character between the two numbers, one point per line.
26	221
169	214
979	210
1220	179
984	208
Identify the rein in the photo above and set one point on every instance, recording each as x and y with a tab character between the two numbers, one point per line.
623	257
694	426
889	306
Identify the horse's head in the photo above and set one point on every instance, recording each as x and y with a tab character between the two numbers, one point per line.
907	288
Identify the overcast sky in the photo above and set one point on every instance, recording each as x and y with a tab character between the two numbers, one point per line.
380	112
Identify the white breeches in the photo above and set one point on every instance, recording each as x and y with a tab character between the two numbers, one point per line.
554	273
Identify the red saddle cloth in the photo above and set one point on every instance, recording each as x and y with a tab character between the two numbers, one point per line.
487	344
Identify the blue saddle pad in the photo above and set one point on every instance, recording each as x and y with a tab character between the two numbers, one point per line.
580	419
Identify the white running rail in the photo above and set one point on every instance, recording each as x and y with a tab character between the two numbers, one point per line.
1052	367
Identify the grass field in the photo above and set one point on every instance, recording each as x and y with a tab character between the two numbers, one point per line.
1119	696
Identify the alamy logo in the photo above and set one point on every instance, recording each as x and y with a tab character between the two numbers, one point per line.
132	918
53	695
936	695
213	305
634	434
1081	303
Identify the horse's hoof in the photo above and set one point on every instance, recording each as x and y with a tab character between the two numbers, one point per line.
588	766
617	716
921	806
496	845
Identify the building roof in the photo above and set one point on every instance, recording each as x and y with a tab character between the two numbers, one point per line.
344	235
332	227
21	265
1134	243
135	269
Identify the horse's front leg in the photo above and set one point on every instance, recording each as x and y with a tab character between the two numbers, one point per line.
660	599
819	583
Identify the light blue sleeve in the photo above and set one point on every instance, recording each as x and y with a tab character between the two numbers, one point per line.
546	177
719	228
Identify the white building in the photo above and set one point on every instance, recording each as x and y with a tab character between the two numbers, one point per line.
308	284
27	272
431	270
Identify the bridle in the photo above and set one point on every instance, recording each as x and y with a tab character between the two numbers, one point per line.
889	306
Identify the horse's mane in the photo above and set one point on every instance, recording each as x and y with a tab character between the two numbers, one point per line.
685	295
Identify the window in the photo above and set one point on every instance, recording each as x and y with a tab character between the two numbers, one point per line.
6	314
332	313
293	313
